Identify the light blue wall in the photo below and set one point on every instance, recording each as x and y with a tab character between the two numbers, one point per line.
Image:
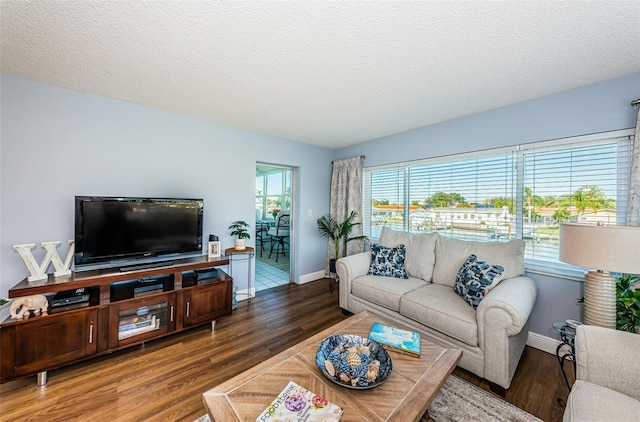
595	108
591	109
56	143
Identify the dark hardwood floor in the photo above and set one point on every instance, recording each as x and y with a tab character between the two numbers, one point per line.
163	380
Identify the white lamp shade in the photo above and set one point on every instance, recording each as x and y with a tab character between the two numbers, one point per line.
611	248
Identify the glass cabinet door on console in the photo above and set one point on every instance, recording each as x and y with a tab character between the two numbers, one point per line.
46	342
138	320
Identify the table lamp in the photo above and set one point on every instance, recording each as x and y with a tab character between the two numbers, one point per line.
606	248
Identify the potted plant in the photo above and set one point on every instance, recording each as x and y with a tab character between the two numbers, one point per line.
628	303
239	229
338	233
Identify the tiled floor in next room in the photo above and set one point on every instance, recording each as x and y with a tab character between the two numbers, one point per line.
268	276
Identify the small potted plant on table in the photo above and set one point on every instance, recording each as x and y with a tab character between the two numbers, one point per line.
239	229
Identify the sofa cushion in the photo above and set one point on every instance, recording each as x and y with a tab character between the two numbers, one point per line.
388	262
420	247
384	291
592	402
475	279
452	253
440	308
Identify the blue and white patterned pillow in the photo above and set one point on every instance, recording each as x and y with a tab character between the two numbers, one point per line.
388	262
475	279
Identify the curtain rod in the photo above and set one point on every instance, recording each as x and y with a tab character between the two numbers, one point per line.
635	103
363	156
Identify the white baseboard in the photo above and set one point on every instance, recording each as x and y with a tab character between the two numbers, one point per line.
310	277
544	343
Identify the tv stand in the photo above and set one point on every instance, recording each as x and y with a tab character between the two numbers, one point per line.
121	311
148	265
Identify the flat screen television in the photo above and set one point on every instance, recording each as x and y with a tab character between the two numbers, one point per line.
128	232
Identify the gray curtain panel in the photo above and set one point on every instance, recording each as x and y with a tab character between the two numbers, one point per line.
345	197
633	210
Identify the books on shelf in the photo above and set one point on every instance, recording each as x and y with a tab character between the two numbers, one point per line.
140	320
144	310
132	320
396	339
297	404
141	326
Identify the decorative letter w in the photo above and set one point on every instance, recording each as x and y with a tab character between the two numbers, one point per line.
39	271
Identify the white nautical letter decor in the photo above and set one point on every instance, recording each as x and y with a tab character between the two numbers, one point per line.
39	271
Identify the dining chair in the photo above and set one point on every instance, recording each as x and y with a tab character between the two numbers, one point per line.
280	233
262	236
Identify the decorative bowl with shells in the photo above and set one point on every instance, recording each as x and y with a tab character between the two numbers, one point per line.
353	361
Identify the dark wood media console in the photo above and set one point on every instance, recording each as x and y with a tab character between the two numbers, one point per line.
107	310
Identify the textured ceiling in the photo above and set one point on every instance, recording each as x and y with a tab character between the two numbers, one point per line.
324	73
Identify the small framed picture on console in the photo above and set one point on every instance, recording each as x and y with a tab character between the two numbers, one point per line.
214	249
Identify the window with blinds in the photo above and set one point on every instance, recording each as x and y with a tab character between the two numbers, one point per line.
579	182
522	192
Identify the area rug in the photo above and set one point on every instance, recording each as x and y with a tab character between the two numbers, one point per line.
459	401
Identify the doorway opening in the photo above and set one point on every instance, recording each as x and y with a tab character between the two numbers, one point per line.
274	225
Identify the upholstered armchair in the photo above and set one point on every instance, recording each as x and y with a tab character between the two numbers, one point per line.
607	386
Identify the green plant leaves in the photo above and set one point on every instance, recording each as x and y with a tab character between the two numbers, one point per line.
627	303
239	228
338	233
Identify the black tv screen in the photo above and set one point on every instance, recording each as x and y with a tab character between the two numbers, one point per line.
111	231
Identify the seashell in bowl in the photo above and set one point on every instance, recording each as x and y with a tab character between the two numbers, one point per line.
353	361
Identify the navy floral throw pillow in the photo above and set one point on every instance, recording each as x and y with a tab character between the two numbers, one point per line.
475	279
388	262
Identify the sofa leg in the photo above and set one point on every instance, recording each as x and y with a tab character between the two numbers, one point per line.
495	388
345	312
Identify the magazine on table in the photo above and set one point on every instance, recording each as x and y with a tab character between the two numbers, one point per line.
396	339
297	404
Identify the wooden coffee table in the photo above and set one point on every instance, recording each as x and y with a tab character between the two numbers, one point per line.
405	396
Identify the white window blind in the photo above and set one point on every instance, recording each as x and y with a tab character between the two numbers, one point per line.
498	195
385	189
582	182
450	195
456	197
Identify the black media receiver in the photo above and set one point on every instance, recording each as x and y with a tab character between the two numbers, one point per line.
70	297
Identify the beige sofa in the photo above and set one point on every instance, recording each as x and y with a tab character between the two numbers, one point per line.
607	386
492	337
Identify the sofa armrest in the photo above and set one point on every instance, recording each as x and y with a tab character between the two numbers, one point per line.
515	297
349	268
608	358
502	327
